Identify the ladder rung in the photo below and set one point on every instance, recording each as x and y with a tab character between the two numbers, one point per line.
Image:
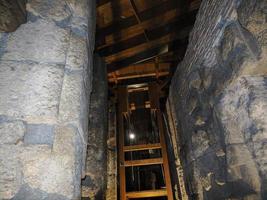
141	147
150	161
147	193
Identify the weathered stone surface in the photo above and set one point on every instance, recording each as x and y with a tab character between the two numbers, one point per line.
10	171
68	148
77	56
73	106
39	134
219	95
12	14
56	10
38	41
31	91
45	84
11	132
95	180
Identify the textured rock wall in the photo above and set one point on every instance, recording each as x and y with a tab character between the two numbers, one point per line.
219	93
45	84
12	14
112	171
94	184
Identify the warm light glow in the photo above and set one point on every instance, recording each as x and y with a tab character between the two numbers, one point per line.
132	136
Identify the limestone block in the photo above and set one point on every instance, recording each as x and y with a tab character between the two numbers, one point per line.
10	171
77	56
38	41
39	134
56	10
11	132
68	147
46	172
74	102
30	91
26	192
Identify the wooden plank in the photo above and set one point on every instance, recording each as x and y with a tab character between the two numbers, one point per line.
122	109
102	2
156	21
153	97
148	54
144	46
156	33
137	17
144	15
142	147
119	78
150	161
147	193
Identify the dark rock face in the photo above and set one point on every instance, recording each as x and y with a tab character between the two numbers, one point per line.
12	14
94	184
219	94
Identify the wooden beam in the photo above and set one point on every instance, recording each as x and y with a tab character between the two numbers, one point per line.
148	45
144	15
149	161
157	75
156	21
102	2
154	90
147	193
148	54
185	21
122	109
135	10
142	147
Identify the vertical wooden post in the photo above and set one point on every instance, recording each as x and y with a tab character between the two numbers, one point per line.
154	95
122	96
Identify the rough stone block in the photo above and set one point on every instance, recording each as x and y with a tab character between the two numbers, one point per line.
30	91
77	56
47	173
39	134
11	132
69	148
74	102
10	171
56	10
38	41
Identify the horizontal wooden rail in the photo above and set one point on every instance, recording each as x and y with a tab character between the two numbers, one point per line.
147	193
142	147
150	161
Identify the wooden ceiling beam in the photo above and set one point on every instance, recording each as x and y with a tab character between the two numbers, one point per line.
185	21
148	54
139	48
138	80
102	2
135	10
144	15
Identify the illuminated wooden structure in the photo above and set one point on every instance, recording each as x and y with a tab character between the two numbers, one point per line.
124	109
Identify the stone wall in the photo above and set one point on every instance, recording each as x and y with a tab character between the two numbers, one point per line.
94	184
219	95
112	168
45	84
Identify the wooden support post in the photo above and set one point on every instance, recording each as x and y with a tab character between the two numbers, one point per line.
154	95
122	111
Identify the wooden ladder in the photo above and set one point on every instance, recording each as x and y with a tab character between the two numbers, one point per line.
123	109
